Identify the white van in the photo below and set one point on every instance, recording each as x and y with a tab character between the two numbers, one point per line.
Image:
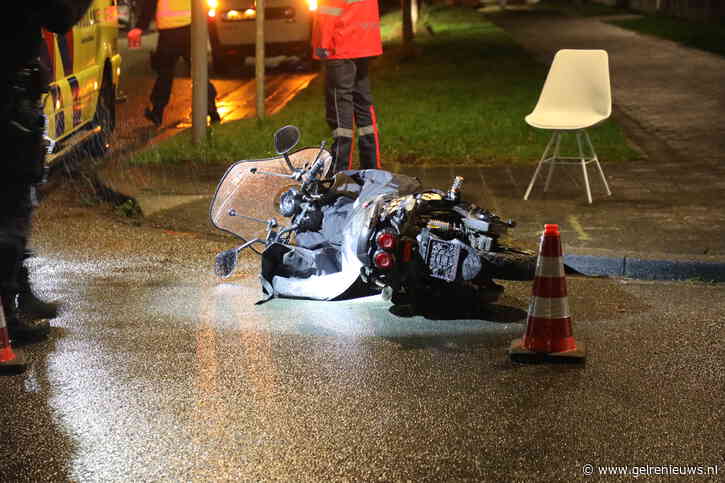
232	30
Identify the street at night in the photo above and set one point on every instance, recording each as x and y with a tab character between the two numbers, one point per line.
156	369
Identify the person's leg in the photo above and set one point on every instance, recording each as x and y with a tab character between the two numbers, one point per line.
339	83
365	119
29	305
184	44
14	227
164	63
214	116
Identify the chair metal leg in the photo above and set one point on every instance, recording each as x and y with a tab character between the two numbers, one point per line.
538	167
599	166
553	160
584	165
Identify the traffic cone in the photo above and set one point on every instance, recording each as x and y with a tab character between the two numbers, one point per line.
10	361
548	332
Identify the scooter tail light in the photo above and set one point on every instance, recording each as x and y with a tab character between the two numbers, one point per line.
383	260
386	240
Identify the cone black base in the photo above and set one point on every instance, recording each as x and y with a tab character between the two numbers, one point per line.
16	365
519	353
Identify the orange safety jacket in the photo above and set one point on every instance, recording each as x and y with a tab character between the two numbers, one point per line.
346	29
172	14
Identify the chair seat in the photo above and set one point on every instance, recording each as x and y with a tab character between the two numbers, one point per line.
564	120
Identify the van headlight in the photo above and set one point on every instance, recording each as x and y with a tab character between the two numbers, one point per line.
239	15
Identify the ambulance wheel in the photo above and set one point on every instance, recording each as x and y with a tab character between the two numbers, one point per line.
105	118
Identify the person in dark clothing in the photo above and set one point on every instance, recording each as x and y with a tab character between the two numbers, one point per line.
173	21
22	82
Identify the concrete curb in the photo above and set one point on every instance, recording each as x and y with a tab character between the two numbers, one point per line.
646	269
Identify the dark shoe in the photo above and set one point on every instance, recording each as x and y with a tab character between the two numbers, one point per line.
28	304
33	308
214	117
22	330
153	116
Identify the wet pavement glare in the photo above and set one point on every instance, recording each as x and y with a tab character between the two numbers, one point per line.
157	371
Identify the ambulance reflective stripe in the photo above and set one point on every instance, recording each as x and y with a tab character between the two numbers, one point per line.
65	46
47	53
171	14
75	89
57	108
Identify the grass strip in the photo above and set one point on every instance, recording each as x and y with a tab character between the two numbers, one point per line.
458	99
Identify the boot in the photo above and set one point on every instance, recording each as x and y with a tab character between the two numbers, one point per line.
21	329
214	117
154	116
29	305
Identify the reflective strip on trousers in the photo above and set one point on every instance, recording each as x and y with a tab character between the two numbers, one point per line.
342	132
366	130
173	14
334	11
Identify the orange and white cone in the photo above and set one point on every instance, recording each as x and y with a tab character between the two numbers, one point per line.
548	331
9	360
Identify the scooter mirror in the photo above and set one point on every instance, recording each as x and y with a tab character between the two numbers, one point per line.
225	263
286	138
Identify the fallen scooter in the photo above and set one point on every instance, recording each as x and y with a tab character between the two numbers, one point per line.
360	232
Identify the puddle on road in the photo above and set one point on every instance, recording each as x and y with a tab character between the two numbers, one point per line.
241	103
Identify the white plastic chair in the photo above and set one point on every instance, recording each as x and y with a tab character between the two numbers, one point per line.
576	95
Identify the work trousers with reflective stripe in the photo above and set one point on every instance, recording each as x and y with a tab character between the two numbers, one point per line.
349	104
172	45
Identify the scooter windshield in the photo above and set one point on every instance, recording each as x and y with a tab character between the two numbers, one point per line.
245	193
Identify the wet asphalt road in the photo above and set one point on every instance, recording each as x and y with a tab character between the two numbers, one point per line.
155	371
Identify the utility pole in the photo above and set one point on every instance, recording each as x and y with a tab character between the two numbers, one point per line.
408	32
199	71
259	56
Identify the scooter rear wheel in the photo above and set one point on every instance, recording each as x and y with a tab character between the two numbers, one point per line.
509	263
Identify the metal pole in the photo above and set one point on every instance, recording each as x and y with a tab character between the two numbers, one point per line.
199	71
259	56
407	7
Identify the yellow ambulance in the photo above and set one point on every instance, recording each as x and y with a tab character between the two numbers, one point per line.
85	69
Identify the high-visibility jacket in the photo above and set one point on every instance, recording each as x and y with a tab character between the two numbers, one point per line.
171	14
346	29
